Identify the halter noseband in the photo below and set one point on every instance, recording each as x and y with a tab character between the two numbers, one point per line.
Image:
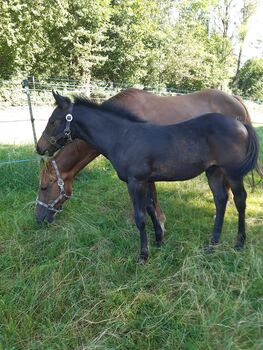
60	183
66	133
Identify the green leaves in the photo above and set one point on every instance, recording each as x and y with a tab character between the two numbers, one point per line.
172	43
251	78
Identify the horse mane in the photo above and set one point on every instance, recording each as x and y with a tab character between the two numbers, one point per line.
45	166
117	111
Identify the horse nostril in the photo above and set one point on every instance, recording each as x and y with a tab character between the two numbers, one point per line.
43	188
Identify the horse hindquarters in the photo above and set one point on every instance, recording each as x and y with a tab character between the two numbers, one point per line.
237	170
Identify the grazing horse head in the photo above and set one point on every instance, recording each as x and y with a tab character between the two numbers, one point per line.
57	132
53	191
68	162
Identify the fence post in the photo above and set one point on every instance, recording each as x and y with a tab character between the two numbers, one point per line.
25	85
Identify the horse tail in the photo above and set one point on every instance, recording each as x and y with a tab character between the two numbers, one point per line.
251	157
248	121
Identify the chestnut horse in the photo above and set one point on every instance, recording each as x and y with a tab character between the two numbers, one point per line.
162	110
212	143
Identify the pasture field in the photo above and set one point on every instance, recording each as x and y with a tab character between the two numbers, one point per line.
75	284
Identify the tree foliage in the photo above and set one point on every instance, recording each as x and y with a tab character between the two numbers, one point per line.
173	43
250	81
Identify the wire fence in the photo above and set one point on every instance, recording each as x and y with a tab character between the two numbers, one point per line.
31	102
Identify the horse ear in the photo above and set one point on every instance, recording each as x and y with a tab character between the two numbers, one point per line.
61	101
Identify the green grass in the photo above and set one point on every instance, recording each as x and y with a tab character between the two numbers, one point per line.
75	284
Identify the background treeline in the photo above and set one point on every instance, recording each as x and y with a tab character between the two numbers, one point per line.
181	44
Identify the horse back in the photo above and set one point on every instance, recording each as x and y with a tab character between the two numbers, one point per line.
167	110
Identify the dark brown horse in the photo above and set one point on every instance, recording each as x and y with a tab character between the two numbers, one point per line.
219	145
162	110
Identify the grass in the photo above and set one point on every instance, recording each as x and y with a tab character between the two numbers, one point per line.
75	284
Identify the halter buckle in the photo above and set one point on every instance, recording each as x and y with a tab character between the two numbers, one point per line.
67	132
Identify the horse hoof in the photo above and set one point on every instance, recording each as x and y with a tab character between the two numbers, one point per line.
238	247
208	249
142	260
158	244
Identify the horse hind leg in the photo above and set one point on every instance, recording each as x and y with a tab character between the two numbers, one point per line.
153	213
217	185
229	192
240	196
159	213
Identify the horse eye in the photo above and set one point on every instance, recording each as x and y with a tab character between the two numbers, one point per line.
52	122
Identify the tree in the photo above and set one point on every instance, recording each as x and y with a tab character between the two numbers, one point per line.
250	81
134	37
74	31
193	60
247	11
21	35
53	38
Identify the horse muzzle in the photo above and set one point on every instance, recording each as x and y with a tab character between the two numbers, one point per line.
43	214
49	149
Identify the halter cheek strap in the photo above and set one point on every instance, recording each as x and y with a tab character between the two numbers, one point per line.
60	183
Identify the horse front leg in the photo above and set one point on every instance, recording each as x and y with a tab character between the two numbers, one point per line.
138	193
155	216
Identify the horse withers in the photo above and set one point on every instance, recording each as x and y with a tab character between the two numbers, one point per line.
222	147
160	109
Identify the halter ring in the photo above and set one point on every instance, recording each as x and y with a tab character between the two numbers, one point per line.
60	183
69	117
52	140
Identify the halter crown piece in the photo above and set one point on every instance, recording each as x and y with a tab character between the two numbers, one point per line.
60	183
66	133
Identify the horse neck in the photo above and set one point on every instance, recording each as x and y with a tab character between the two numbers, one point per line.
100	129
86	154
70	159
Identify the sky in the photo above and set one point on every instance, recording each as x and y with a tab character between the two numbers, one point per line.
255	33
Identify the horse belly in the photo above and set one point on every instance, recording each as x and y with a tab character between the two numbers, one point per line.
177	172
